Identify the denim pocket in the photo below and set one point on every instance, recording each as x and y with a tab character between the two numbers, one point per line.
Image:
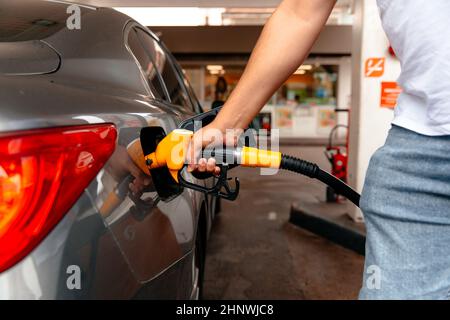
370	182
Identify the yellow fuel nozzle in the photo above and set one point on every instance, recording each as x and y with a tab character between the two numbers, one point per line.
171	152
259	158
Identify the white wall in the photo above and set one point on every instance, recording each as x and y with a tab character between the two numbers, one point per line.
344	92
344	83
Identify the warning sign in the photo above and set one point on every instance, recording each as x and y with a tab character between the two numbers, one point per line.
374	67
389	94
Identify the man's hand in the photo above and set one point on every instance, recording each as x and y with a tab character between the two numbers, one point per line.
212	135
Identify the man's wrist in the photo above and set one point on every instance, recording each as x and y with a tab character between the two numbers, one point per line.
225	122
222	124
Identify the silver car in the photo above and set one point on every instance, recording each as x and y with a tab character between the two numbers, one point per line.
80	216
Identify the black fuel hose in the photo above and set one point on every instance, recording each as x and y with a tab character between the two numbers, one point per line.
289	163
312	170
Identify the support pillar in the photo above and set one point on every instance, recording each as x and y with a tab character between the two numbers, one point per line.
369	122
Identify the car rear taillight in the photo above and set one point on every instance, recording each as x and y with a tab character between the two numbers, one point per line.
42	174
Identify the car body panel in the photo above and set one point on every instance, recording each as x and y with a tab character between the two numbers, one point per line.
134	246
27	58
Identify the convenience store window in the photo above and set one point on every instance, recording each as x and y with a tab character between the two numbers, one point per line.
309	85
304	107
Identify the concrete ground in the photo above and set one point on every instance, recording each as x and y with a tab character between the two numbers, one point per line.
254	253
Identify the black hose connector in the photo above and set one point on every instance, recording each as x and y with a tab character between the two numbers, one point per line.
313	171
299	166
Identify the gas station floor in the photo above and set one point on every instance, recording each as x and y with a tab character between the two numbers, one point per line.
255	253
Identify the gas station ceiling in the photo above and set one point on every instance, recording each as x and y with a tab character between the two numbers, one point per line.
210	12
197	3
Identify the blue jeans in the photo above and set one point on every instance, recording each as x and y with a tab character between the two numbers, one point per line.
406	206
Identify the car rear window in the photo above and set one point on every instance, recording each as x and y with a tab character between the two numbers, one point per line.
146	64
162	61
24	20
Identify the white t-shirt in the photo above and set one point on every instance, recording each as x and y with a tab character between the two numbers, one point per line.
419	32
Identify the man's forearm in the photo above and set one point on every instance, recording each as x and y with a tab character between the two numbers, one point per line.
282	47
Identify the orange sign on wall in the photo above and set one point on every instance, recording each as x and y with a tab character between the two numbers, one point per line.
374	67
389	94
